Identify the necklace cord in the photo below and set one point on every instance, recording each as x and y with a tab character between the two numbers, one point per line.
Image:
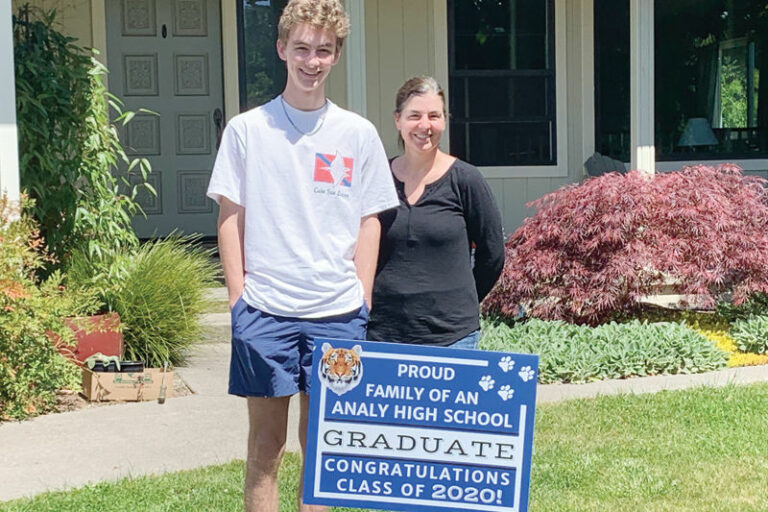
315	129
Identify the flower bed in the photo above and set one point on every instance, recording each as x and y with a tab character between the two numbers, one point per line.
578	354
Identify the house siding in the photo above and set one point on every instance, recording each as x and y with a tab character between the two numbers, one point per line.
336	83
400	43
73	17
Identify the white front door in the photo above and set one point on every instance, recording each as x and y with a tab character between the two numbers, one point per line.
165	56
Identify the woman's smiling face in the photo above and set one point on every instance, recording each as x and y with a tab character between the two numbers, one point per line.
421	122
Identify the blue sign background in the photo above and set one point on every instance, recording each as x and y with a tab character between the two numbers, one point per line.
422	429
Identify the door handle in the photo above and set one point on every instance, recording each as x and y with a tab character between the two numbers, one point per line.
218	120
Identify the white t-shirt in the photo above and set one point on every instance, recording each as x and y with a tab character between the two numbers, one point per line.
304	196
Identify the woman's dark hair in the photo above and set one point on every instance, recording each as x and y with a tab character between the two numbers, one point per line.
417	86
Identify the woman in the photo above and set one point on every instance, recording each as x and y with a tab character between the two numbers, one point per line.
427	290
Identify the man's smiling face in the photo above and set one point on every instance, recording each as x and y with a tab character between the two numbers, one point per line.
309	54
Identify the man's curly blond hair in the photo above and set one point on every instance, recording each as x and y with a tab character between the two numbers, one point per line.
326	14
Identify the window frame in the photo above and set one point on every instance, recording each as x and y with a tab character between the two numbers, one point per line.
749	162
242	84
242	100
556	99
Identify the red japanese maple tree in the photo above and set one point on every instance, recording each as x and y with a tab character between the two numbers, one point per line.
593	249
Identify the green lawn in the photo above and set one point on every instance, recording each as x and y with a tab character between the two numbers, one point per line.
700	450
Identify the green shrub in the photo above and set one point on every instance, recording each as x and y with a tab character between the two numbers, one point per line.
68	146
31	368
159	292
696	319
573	353
751	334
757	304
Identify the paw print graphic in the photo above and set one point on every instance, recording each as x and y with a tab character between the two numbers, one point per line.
526	373
506	364
486	382
506	392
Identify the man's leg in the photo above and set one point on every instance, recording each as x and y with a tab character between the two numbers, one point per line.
303	418
350	326
268	419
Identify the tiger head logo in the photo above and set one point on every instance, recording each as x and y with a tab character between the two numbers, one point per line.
341	368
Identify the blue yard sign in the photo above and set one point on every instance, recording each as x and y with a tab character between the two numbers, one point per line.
413	428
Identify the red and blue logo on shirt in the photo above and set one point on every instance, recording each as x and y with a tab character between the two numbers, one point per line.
334	169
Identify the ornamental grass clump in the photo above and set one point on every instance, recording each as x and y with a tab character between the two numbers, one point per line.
579	353
594	249
751	334
159	292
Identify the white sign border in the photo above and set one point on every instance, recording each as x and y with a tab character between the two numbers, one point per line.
415	501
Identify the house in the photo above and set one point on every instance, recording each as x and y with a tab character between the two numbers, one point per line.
9	153
535	87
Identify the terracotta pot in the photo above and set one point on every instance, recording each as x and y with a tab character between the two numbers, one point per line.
96	333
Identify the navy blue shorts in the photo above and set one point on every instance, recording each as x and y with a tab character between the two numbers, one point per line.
272	355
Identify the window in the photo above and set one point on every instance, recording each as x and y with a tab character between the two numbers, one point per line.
612	94
502	82
736	87
708	57
261	72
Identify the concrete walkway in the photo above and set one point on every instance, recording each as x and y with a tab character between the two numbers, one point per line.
60	451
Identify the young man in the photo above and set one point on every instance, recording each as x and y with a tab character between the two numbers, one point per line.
299	182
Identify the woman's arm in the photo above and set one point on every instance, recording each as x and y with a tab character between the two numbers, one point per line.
485	231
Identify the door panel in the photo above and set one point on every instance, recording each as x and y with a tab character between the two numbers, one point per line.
165	56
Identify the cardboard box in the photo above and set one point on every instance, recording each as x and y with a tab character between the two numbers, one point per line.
126	386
